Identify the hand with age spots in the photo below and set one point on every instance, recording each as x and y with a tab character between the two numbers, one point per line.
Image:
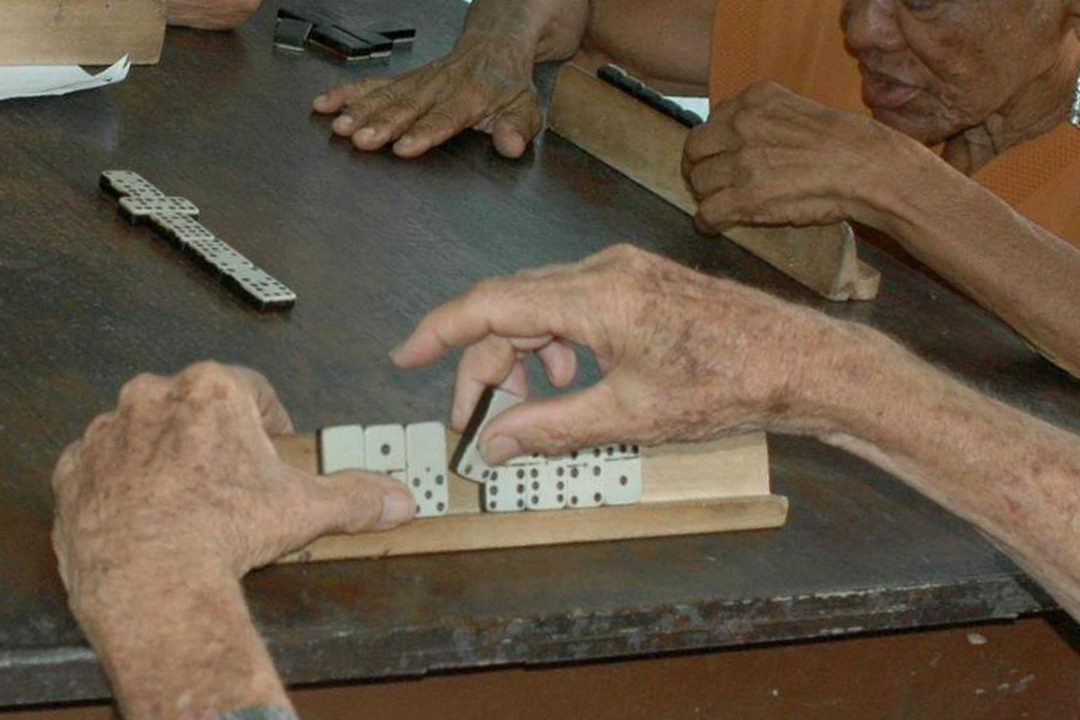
771	157
684	356
484	83
688	357
164	504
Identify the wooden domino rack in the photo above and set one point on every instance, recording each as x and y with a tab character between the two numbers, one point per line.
646	145
717	486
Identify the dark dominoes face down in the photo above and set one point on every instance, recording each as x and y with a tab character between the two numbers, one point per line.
296	31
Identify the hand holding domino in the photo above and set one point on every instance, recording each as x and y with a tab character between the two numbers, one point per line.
684	356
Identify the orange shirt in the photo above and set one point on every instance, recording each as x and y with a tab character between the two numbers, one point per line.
800	44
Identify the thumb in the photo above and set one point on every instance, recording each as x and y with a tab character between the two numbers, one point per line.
554	426
354	501
516	124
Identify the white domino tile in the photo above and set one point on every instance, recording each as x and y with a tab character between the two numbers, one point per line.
583	473
181	229
126	182
468	462
622	474
259	285
427	475
135	208
544	491
341	447
503	492
384	449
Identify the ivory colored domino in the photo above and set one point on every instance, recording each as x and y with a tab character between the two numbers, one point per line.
119	183
622	474
427	475
468	462
384	449
583	473
341	447
135	209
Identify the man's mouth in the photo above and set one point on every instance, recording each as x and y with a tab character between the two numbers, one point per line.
885	92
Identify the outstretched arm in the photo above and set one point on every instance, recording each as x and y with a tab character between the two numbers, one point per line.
163	506
687	357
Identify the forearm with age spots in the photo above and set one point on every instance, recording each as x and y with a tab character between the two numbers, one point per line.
1016	269
177	642
1013	476
552	27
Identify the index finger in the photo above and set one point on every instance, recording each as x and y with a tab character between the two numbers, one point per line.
511	307
275	418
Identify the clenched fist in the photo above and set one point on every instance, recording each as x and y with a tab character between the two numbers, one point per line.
183	472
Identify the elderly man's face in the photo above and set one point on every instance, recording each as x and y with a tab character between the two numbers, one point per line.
932	68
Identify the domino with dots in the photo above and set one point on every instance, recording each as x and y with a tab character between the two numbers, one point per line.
427	475
622	474
468	462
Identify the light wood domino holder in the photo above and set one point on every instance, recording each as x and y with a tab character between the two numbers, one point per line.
647	146
87	32
709	487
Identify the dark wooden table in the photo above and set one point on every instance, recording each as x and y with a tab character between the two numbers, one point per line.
369	242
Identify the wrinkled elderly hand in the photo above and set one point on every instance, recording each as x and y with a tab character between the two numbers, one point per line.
184	472
485	83
771	157
210	14
684	356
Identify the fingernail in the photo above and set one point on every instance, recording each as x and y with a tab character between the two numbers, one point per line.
320	100
499	449
343	123
406	141
397	506
365	134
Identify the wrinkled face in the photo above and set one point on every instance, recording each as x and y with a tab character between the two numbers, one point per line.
932	68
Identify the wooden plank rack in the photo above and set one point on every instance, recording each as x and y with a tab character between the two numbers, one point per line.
646	145
717	486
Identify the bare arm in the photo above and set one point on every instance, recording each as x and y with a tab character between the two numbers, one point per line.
1015	477
665	43
686	357
1018	270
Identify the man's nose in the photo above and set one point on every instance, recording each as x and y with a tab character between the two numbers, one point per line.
872	25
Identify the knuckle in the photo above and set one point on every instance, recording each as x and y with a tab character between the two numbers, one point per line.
139	387
100	424
402	108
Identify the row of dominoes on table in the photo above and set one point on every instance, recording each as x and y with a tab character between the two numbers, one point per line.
175	219
416	455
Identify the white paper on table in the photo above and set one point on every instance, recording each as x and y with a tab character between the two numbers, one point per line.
36	80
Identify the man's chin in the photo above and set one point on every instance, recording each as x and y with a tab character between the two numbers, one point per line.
917	127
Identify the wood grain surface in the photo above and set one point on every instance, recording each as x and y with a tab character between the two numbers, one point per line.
370	243
87	32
